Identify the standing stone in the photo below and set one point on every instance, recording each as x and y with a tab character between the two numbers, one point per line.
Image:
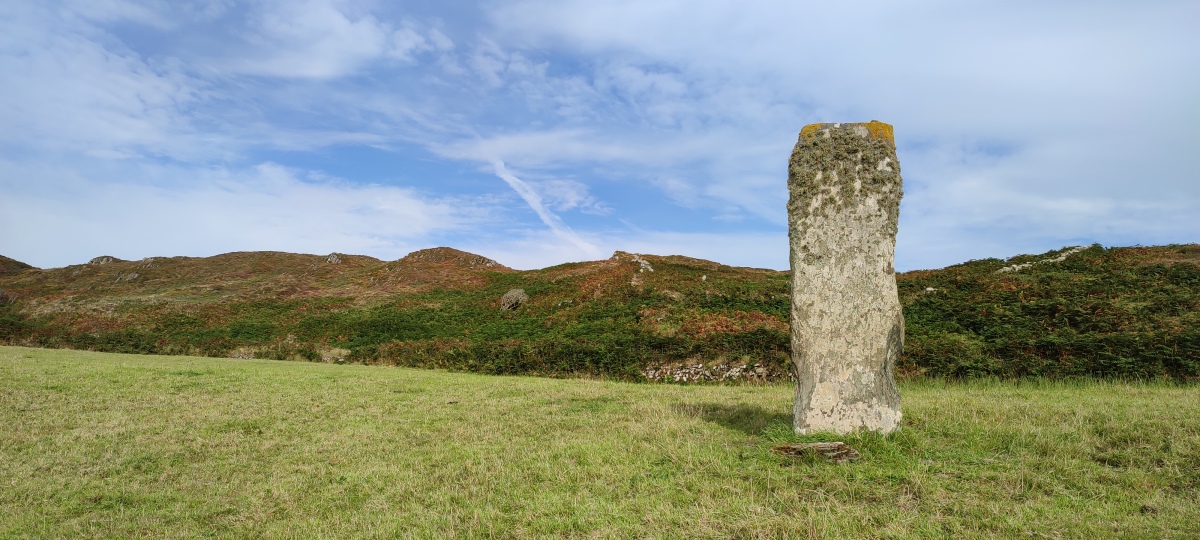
847	328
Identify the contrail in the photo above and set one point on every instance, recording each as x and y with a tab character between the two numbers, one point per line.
535	202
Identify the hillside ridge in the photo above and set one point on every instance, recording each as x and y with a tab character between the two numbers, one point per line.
1076	311
11	267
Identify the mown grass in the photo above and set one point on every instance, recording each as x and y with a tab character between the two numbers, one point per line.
109	445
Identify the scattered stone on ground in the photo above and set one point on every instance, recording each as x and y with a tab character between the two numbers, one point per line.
643	264
837	452
513	299
701	373
126	277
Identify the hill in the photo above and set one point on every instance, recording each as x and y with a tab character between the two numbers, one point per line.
11	267
1125	312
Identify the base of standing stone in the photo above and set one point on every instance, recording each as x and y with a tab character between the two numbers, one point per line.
825	413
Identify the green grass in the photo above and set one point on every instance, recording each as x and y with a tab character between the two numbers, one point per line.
109	445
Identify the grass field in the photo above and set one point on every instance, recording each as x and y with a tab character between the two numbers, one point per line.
108	445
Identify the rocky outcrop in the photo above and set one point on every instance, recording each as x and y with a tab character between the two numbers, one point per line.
513	299
1060	258
847	329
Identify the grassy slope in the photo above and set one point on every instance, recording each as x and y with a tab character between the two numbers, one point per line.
103	445
1119	312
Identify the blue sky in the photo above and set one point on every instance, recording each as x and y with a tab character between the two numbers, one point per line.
542	132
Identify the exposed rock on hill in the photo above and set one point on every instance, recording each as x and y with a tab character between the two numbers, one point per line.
1057	259
513	299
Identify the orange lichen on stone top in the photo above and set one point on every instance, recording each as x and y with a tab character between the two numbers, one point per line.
880	130
810	130
875	130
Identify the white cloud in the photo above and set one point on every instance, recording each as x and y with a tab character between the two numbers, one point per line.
325	39
440	41
66	216
405	42
71	92
149	13
312	38
564	195
681	192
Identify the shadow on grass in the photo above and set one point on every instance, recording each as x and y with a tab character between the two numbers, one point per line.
748	419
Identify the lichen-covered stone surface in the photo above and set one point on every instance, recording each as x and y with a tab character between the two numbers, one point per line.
513	299
847	329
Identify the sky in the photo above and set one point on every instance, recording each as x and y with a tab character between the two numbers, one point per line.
538	132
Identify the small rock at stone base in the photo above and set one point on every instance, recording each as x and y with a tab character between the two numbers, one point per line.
837	452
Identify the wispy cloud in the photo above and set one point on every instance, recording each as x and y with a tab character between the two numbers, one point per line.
323	39
535	202
69	91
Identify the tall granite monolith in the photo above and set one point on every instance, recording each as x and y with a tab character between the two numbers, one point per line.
847	329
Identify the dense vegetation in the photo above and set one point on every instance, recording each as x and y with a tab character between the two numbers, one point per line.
1123	312
1115	312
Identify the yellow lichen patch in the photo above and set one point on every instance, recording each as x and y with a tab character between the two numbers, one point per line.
880	130
810	130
